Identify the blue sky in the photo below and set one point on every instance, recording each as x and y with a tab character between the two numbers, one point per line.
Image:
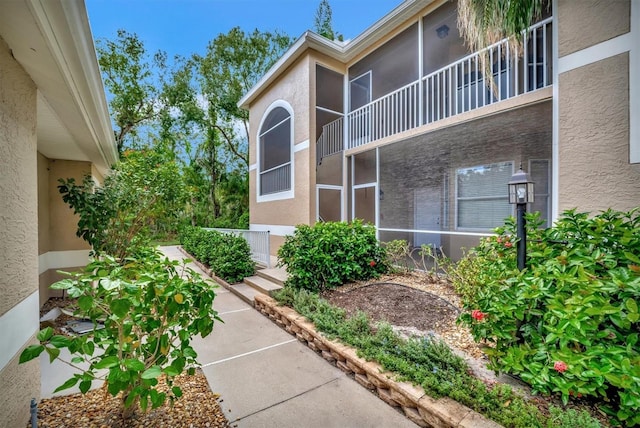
185	27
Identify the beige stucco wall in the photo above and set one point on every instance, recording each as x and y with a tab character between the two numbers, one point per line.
18	224
19	383
292	87
43	205
57	223
19	219
595	173
63	223
585	23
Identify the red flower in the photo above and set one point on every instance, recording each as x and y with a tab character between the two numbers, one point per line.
372	263
499	239
508	244
478	315
560	366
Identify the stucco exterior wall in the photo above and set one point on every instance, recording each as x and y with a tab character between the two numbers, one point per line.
595	173
63	223
292	87
19	219
43	205
588	22
285	212
58	244
21	382
19	226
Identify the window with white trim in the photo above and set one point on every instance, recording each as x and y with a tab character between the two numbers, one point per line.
481	196
275	152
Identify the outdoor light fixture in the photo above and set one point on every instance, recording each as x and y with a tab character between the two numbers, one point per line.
521	193
520	188
442	31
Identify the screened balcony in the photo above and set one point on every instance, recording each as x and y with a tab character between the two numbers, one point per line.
460	86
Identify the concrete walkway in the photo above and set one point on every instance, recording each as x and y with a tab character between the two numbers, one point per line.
268	379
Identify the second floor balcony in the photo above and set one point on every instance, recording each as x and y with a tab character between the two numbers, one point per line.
474	81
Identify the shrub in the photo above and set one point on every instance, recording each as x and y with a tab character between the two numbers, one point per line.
149	312
144	195
329	254
228	255
403	258
568	323
423	361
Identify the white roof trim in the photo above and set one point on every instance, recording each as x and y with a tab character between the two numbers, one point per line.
52	41
342	52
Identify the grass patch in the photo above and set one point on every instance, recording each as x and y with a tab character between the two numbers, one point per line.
166	242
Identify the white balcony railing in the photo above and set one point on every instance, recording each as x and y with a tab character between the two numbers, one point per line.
258	243
331	140
457	88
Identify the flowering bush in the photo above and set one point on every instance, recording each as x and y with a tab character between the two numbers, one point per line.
569	322
329	254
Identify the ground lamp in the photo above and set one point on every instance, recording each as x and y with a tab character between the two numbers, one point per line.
520	194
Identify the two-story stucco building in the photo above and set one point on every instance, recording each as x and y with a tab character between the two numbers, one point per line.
402	127
54	123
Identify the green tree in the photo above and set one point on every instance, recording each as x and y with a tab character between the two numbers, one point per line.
144	196
131	77
323	22
232	65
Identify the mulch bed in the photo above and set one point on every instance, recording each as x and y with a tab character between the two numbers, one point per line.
413	304
198	407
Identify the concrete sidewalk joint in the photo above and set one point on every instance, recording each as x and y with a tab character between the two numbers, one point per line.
285	400
416	405
248	353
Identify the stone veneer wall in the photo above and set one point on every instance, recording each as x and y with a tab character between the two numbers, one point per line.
412	400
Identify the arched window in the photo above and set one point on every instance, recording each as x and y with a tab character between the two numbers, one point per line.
274	142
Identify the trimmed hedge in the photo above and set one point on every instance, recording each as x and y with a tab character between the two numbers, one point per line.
330	254
228	255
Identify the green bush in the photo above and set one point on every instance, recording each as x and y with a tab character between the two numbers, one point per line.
329	254
568	323
228	255
425	361
149	313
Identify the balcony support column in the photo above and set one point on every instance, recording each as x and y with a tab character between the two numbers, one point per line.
420	71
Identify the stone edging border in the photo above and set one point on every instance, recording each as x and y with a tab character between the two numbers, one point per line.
416	405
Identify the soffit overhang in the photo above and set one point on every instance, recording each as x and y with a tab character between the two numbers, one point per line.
52	41
343	52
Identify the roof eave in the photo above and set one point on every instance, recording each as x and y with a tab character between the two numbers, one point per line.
308	40
344	53
52	41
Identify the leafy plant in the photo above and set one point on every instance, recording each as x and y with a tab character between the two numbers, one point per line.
144	314
568	323
229	256
143	195
398	252
329	254
424	361
570	418
403	258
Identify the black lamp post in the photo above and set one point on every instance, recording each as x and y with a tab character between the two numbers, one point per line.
521	193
